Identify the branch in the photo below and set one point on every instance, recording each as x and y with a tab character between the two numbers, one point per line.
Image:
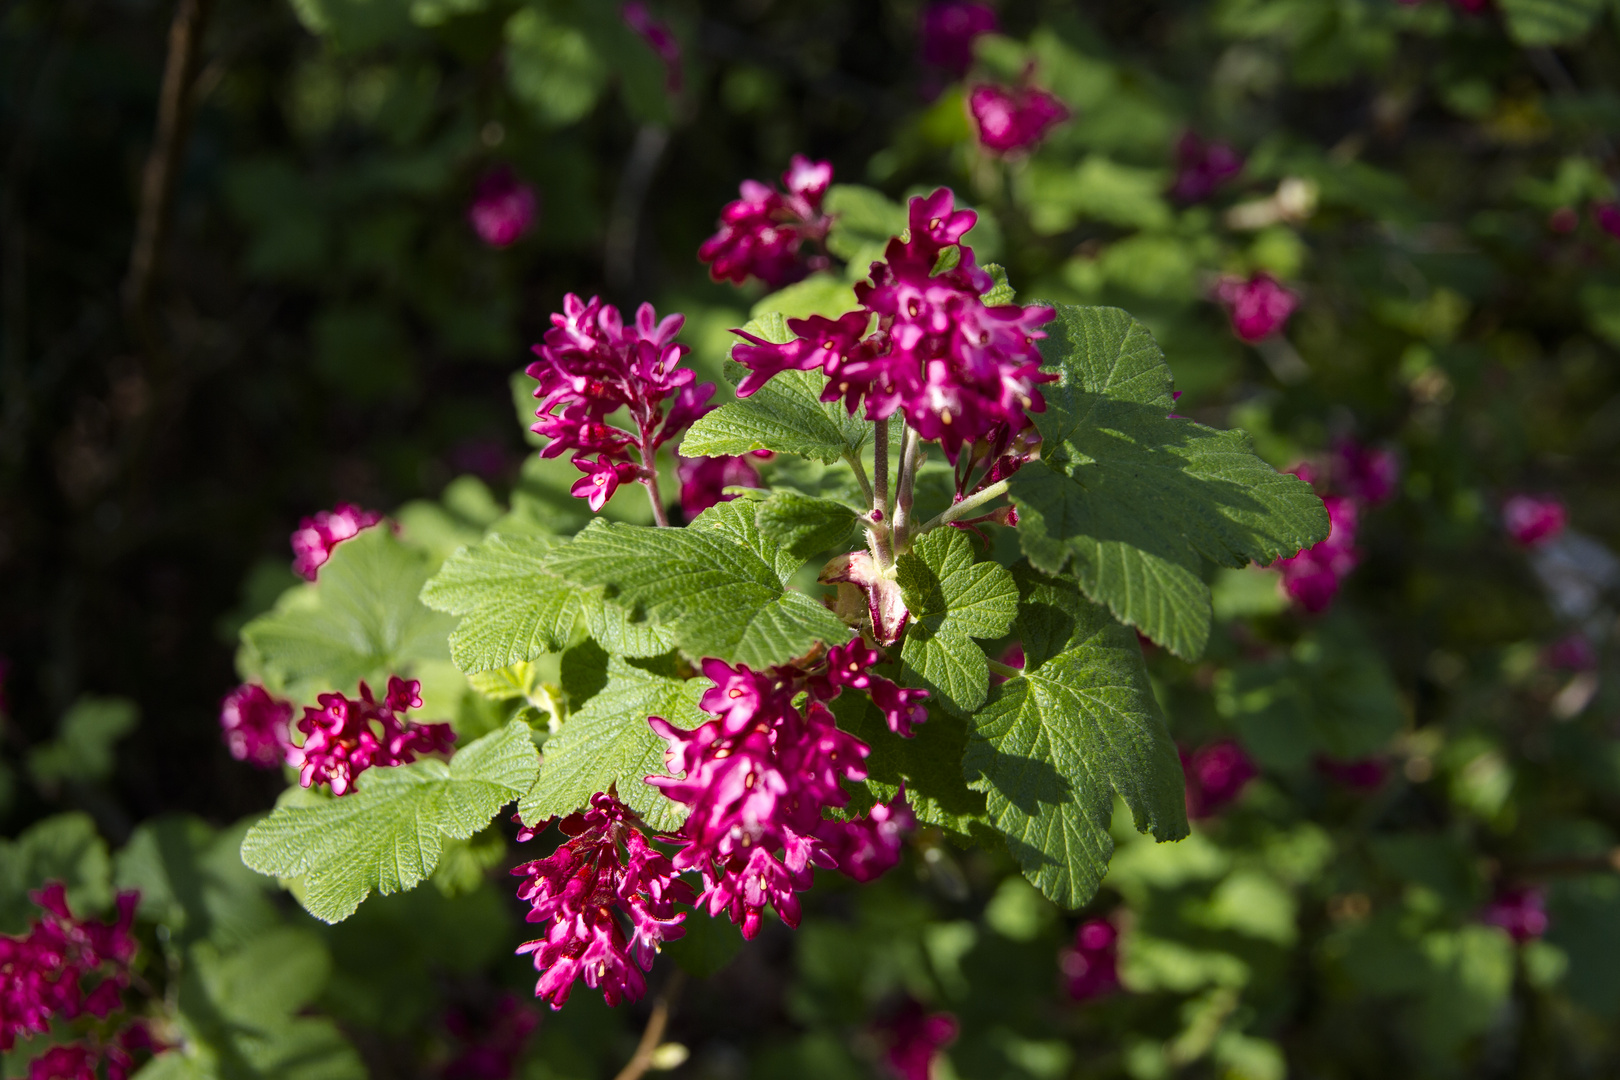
653	1035
965	507
649	480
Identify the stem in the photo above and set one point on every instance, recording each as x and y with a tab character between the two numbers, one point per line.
855	463
653	1034
624	224
904	485
966	506
1004	669
649	480
880	465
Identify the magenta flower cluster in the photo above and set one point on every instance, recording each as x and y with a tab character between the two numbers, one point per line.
316	536
491	1041
948	31
757	778
1013	120
1091	967
1216	775
503	208
958	369
704	480
1521	911
592	364
1533	520
1202	167
345	737
65	968
763	233
257	726
1358	477
913	1039
1258	306
603	878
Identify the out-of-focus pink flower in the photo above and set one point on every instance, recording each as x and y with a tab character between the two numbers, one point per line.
1091	967
1014	120
1013	657
1202	167
257	726
1312	578
659	38
704	481
1572	652
1607	216
1532	520
761	234
913	1038
1563	220
1258	307
312	544
604	871
343	738
1368	474
1522	912
1215	776
492	1043
1362	774
949	29
870	846
503	208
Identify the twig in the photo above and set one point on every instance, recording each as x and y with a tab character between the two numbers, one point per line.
652	1036
619	255
965	507
855	463
163	163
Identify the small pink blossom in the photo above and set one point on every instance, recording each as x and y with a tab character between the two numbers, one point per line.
1362	774
503	208
1607	216
1091	967
949	28
1572	652
343	737
1257	307
601	479
1202	167
1312	578
913	1039
257	726
869	846
659	38
1522	912
761	234
1015	120
1532	520
704	481
1216	775
312	544
1368	474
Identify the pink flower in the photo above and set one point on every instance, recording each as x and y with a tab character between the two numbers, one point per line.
1091	968
1522	912
1014	121
762	232
659	38
503	208
603	878
1362	774
870	846
1607	216
704	481
1215	776
312	544
1312	578
492	1043
1258	307
1572	652
591	365
1202	167
256	726
343	738
1532	520
1365	473
949	29
913	1039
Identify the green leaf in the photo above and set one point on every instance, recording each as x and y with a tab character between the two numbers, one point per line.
929	764
786	415
1139	502
83	748
720	596
551	67
360	620
192	881
387	834
512	607
803	526
63	848
1550	22
952	600
819	294
1054	744
608	743
863	222
1001	292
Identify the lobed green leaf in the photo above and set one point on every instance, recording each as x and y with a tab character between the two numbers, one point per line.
952	600
512	607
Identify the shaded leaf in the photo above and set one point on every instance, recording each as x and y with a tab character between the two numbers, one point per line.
952	600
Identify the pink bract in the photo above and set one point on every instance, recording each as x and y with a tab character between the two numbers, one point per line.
1521	911
1532	520
257	726
1091	967
761	233
312	544
1202	167
1014	120
1258	306
503	208
948	30
343	737
914	1037
1312	578
604	878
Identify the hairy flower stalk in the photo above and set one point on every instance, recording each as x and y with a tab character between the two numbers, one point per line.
604	878
592	365
343	737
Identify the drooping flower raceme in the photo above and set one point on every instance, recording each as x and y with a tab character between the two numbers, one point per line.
869	846
1202	167
1014	120
913	1039
257	726
948	30
1091	967
1532	520
704	480
345	737
763	233
603	879
1258	306
592	364
1368	474
1312	578
503	208
958	369
316	536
